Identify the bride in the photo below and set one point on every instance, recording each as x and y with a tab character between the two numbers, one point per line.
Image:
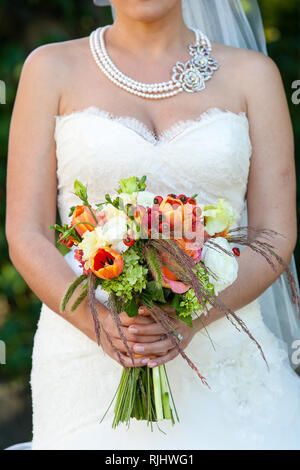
229	135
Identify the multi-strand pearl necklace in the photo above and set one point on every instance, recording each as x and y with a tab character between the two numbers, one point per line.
190	76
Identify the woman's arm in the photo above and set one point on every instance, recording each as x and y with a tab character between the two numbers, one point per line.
32	192
271	194
31	179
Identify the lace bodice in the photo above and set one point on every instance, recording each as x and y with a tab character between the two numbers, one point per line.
209	156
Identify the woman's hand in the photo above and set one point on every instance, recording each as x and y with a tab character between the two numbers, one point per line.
163	348
84	321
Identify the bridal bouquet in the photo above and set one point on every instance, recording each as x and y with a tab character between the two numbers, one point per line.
146	249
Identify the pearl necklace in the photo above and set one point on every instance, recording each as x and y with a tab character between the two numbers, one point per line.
190	76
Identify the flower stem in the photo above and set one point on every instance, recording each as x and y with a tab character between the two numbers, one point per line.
157	393
165	394
93	214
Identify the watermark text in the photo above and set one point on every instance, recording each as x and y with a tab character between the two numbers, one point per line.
2	92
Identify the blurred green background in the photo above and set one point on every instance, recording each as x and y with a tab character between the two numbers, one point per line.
25	25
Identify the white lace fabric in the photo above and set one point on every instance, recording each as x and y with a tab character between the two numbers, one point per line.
73	381
190	157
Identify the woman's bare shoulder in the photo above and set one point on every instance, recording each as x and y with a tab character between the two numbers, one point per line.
254	74
56	60
245	63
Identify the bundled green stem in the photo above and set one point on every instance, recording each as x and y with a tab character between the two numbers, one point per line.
143	394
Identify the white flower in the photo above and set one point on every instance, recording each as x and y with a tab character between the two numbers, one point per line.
91	241
127	199
145	198
224	266
111	211
218	218
114	231
120	247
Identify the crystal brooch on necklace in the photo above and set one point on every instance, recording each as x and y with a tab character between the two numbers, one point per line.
193	74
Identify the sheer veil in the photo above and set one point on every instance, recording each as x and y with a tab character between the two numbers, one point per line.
238	23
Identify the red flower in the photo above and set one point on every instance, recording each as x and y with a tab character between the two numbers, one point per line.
107	263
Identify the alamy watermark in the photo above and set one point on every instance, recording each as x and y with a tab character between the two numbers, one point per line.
296	354
2	352
296	94
2	92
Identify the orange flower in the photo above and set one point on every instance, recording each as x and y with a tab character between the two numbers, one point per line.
106	263
173	212
184	220
169	278
83	214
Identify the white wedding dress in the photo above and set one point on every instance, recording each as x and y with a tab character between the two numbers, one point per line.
73	381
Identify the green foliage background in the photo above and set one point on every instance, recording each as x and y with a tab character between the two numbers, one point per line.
25	25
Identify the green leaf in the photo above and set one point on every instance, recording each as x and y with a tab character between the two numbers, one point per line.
129	185
146	298
154	264
176	303
108	198
71	290
57	227
131	307
155	291
187	320
79	299
80	190
72	211
100	206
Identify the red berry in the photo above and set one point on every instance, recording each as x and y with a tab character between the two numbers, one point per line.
149	220
197	211
191	201
128	240
183	198
158	200
236	251
172	195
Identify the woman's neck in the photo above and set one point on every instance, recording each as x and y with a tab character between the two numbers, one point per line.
167	34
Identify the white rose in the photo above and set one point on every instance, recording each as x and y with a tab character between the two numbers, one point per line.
145	198
224	266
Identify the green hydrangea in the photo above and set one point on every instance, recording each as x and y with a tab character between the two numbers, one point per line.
189	302
133	278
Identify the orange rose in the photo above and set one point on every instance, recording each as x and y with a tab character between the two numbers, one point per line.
83	214
106	263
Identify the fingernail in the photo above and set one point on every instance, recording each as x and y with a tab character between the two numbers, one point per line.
152	364
144	361
139	348
133	329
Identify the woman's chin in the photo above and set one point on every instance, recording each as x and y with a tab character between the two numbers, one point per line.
146	11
